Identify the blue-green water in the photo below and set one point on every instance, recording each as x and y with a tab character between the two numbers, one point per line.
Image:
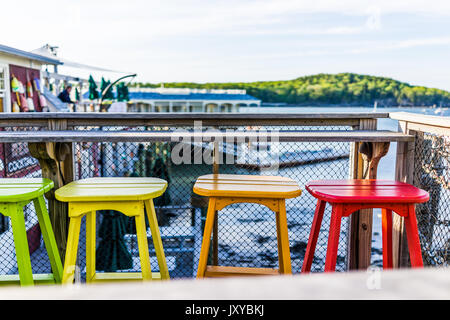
247	233
386	170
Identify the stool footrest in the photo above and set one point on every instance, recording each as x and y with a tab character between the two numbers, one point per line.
41	278
221	271
124	276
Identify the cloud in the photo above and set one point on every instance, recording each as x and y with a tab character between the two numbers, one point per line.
436	41
169	39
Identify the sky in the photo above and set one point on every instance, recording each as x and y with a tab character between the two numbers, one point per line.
239	40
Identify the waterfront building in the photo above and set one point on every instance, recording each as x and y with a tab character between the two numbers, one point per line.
21	69
189	100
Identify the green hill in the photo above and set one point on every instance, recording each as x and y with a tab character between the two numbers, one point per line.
329	89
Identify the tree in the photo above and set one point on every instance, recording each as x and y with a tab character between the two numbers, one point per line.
122	92
93	93
339	88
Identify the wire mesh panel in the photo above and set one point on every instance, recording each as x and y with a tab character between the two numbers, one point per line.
432	173
17	162
246	232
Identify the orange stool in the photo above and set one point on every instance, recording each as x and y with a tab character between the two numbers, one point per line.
226	189
348	196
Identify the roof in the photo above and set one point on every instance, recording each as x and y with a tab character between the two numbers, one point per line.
28	55
188	96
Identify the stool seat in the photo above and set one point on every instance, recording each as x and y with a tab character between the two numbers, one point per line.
349	196
130	196
358	190
226	189
229	185
111	189
18	189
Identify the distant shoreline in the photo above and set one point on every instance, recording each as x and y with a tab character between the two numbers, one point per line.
282	105
323	90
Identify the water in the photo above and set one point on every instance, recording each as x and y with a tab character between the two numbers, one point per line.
386	169
247	232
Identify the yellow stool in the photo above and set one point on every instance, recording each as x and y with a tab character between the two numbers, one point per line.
127	195
226	189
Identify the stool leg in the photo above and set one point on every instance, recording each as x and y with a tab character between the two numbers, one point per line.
386	225
71	250
280	247
313	236
21	244
333	238
49	238
412	233
203	260
141	233
284	256
156	236
90	245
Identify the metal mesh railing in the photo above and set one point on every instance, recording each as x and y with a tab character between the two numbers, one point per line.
16	162
246	232
432	173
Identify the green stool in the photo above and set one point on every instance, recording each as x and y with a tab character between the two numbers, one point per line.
14	195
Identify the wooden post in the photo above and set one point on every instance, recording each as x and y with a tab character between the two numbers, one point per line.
215	241
404	171
364	159
56	161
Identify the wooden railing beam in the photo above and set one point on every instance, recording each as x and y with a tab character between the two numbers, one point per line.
40	119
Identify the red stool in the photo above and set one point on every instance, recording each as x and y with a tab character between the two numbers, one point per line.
348	196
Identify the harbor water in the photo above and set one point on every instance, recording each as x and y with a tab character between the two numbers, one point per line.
247	233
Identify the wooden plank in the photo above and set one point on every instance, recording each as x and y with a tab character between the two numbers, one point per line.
40	123
420	127
404	167
360	226
222	271
410	124
56	162
40	278
217	121
404	171
215	231
186	119
122	276
241	136
192	115
434	121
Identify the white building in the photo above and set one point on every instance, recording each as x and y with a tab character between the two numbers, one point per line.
189	100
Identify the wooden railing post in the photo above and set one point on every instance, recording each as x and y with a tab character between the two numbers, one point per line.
364	159
56	162
404	172
215	241
425	173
